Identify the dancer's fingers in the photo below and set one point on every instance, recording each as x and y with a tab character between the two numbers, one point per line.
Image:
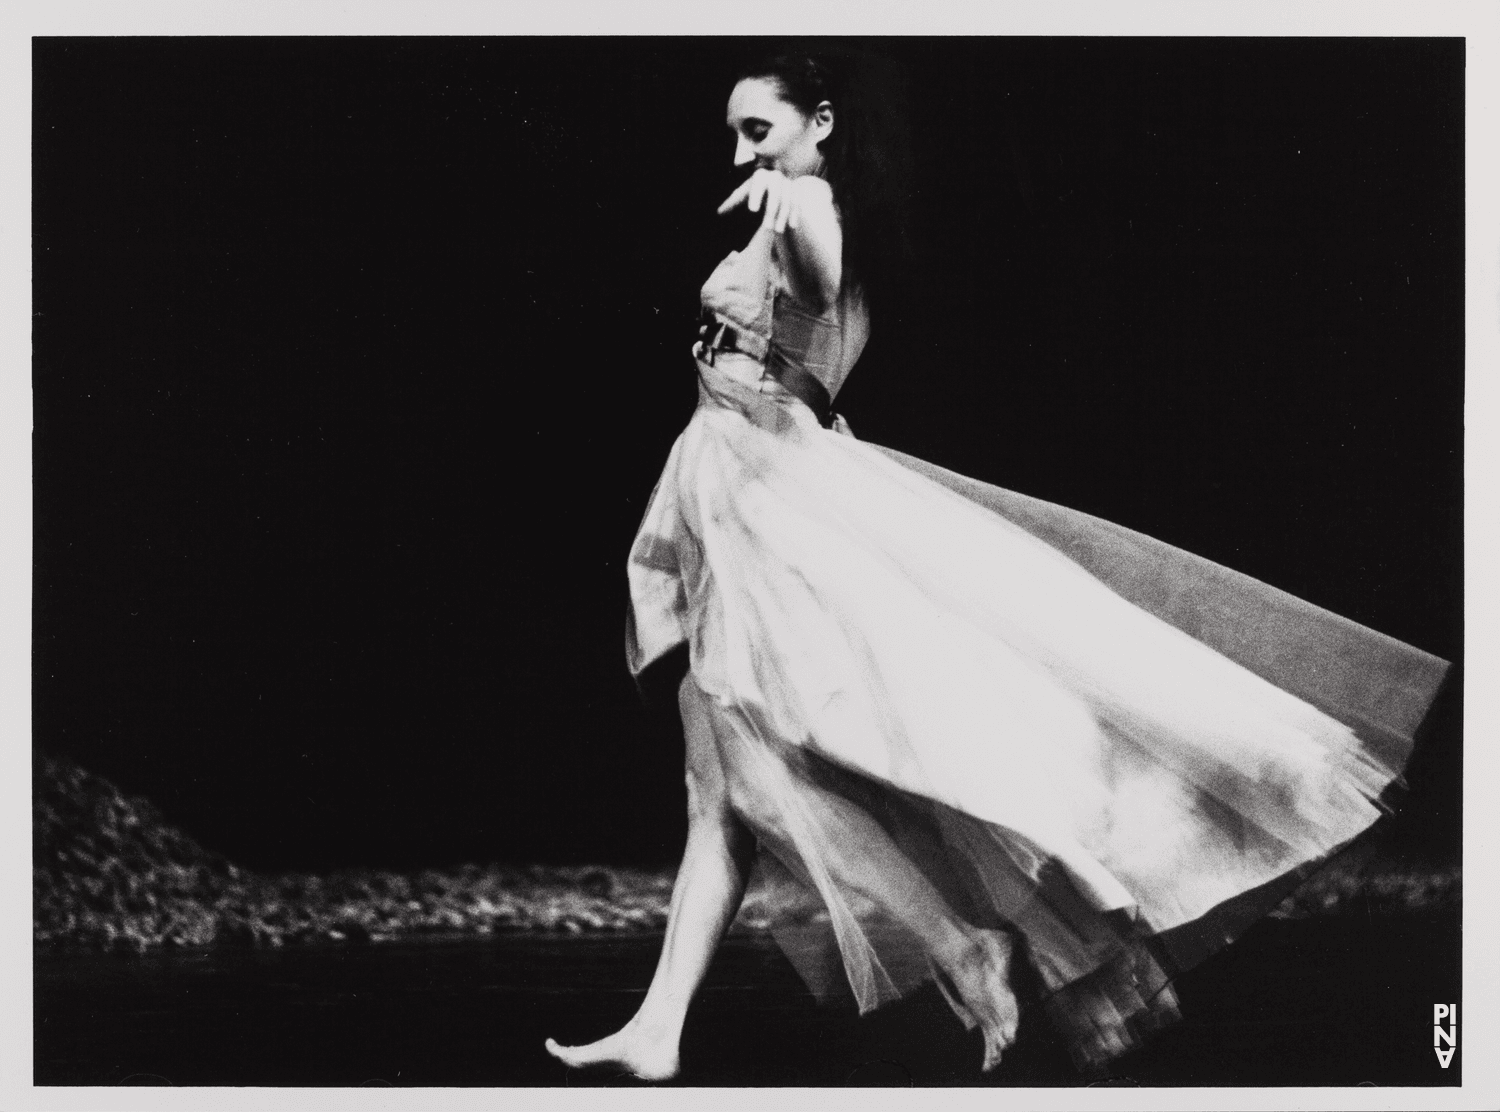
773	207
735	198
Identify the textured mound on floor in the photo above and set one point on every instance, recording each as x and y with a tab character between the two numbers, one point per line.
108	870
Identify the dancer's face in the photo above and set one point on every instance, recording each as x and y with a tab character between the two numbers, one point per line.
774	134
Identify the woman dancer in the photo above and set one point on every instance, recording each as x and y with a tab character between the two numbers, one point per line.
977	725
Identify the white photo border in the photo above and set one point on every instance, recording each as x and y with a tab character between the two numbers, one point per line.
1477	22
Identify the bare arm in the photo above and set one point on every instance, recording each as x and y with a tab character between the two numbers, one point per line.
802	213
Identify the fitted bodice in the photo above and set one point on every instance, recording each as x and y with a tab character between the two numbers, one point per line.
749	291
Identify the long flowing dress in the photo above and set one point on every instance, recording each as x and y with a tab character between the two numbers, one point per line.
1117	750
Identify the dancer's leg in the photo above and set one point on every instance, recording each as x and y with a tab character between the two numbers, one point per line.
861	856
710	885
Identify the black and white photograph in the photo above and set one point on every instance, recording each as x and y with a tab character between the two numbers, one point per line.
733	561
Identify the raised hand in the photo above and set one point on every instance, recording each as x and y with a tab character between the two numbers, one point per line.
772	190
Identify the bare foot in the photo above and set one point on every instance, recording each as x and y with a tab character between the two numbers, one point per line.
628	1049
1112	1017
1103	1036
980	977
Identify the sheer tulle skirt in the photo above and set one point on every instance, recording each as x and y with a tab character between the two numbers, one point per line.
1123	754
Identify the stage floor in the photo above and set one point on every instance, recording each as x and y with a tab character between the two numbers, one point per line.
1340	1000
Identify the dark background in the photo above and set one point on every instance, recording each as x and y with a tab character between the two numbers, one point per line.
356	360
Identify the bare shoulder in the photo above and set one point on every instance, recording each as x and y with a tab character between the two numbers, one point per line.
813	192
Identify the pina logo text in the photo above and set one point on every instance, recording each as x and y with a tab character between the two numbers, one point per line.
1445	1039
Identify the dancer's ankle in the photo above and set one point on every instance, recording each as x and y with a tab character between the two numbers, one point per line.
659	1032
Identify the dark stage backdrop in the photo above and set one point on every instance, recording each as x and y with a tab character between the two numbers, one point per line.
356	361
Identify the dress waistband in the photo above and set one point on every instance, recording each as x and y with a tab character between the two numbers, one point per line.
716	336
810	391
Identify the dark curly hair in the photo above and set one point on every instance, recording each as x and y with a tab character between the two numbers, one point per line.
867	156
